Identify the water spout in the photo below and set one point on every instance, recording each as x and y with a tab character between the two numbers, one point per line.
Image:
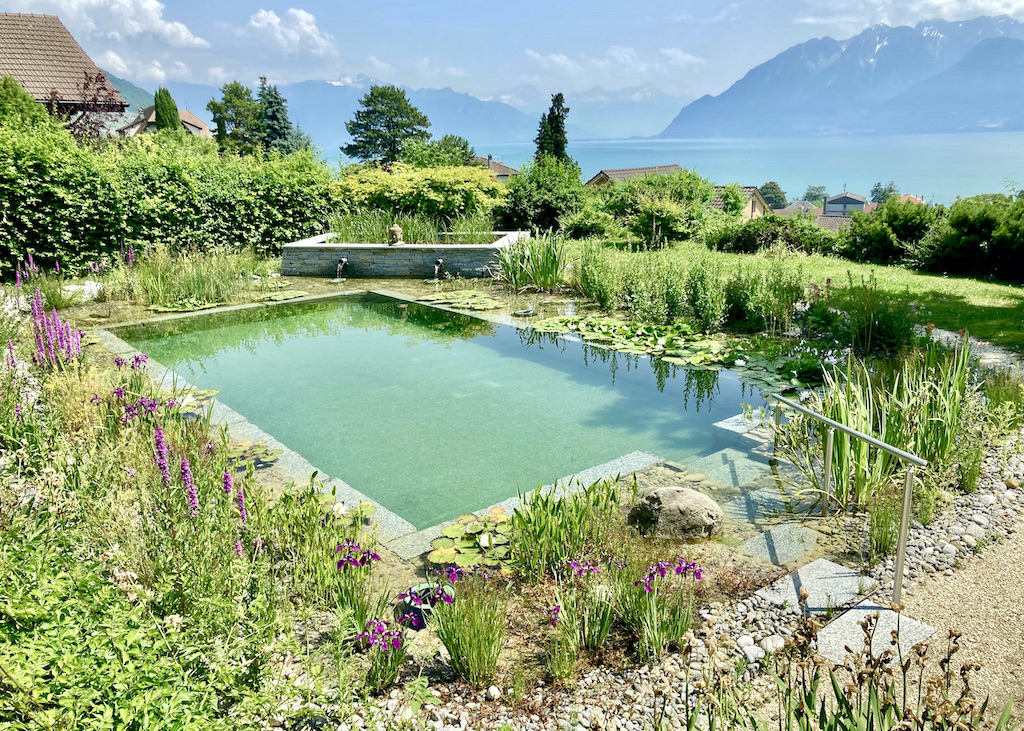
342	267
438	268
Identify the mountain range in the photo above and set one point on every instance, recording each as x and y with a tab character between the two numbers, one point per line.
935	77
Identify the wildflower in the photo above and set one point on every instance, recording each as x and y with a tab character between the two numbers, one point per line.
411	619
95	399
190	488
553	614
130	471
228	486
174	621
238	547
241	506
257	545
659	570
582	568
161	456
119	393
119	361
354	555
17	411
139	360
380	635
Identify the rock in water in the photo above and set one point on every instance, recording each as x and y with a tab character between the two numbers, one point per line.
678	513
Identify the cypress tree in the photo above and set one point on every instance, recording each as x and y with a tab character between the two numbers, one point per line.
166	110
551	139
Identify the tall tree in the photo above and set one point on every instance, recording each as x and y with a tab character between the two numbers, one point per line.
774	194
450	150
166	110
275	127
237	118
881	193
383	125
815	194
551	139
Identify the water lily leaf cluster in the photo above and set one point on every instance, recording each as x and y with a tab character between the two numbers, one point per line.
473	540
258	454
282	295
679	344
186	305
464	299
357	515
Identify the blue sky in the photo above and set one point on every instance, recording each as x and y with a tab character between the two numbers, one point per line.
519	52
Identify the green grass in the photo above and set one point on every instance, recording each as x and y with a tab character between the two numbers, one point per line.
987	310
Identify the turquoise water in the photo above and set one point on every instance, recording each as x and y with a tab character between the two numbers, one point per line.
938	167
434	414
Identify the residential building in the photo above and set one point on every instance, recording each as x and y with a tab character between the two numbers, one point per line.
604	177
844	204
754	204
501	171
146	122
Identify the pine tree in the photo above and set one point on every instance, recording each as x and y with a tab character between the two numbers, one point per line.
383	124
237	118
166	110
276	130
551	139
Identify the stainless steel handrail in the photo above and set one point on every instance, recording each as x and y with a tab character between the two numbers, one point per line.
908	484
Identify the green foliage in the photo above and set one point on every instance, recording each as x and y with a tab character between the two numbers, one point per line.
18	108
545	190
448	151
796	233
597	278
816	194
658	612
537	262
660	208
473	540
875	321
166	110
881	192
886	235
551	139
236	118
705	294
590	221
732	199
472	628
444	194
884	510
774	195
277	133
386	121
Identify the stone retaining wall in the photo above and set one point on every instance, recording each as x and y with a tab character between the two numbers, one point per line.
313	257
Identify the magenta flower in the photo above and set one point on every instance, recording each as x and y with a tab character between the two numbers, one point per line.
228	485
582	568
257	544
553	614
379	634
191	492
241	505
238	547
161	458
352	554
659	570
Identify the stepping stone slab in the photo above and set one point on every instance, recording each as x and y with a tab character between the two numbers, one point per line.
828	585
730	467
782	544
845	631
755	506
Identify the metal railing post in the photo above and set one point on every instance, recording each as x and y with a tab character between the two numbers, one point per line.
901	549
778	424
826	480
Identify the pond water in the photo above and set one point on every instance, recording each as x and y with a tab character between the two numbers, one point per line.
433	414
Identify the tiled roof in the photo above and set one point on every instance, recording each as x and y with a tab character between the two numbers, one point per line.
832	223
798	207
749	191
47	61
620	174
849	197
498	168
912	199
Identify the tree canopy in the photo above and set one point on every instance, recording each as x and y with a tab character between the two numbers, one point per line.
449	150
815	194
551	139
166	110
237	118
881	193
774	194
384	124
16	104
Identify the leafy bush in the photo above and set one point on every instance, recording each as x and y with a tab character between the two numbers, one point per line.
545	190
796	233
445	194
887	234
660	208
590	221
875	322
705	294
597	277
653	289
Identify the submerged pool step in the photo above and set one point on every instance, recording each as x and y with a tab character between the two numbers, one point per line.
730	467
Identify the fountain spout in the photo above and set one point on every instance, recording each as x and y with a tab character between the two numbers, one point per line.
438	268
342	266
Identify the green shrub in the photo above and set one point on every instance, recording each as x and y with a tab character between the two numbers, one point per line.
889	233
876	322
795	233
545	191
597	276
705	293
884	510
590	221
660	208
444	194
653	289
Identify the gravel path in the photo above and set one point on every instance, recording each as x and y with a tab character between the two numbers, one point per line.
985	601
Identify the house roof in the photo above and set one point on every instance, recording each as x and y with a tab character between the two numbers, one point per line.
147	116
832	223
47	61
496	167
620	174
847	198
748	191
797	207
912	199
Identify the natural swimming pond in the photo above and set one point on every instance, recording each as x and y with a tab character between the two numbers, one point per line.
432	413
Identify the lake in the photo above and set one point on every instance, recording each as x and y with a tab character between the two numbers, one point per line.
939	168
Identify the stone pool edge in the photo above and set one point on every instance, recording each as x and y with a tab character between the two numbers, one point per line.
394	532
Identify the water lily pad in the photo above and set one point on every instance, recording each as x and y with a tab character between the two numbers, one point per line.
475	527
443	555
442	543
453	531
465	560
281	296
466	519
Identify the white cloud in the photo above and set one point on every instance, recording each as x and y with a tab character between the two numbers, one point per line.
617	67
116	19
851	16
296	32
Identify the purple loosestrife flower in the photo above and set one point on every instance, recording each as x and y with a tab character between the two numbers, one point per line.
238	548
17	278
161	456
257	545
228	485
191	493
242	512
12	360
17	411
56	267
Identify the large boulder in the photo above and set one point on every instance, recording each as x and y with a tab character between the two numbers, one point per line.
678	513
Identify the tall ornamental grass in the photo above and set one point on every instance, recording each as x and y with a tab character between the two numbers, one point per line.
534	263
472	628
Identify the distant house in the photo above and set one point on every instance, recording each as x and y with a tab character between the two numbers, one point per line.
146	122
604	177
798	208
912	199
844	204
754	204
501	171
833	223
47	61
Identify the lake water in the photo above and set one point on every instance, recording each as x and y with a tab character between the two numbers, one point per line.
938	167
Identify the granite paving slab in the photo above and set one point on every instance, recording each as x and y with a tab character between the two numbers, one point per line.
782	544
828	586
845	631
730	467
